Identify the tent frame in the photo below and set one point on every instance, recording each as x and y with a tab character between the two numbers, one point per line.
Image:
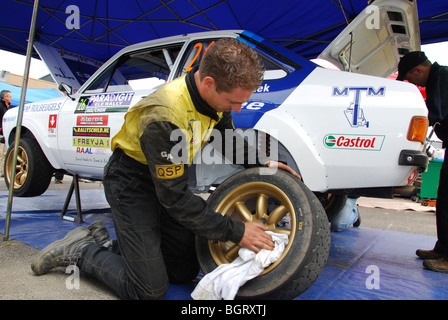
20	116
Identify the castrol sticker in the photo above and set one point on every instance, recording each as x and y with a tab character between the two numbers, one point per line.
354	142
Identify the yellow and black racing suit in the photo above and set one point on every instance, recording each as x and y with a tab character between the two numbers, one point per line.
155	214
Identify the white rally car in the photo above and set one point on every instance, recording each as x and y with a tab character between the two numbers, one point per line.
349	132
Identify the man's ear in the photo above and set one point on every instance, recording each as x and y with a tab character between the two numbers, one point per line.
209	82
418	69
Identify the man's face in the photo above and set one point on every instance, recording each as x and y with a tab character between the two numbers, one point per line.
8	97
228	101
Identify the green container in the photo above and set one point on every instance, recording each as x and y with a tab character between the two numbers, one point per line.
430	180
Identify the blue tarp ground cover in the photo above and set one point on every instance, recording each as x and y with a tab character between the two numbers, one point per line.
357	255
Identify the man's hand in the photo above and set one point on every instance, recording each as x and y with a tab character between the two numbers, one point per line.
280	165
255	237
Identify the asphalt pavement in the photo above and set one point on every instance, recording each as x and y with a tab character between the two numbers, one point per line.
17	281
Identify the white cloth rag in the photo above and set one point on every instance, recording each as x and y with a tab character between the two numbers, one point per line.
225	281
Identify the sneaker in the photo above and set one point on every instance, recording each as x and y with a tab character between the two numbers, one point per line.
64	252
439	265
428	254
100	233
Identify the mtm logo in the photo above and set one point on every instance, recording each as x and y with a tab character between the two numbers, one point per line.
354	113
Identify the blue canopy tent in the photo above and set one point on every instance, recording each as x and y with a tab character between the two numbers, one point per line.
32	94
106	26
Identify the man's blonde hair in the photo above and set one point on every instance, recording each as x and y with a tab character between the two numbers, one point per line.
233	64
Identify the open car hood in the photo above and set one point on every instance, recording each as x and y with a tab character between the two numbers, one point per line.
376	39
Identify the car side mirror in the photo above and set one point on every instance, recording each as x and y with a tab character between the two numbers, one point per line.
67	89
63	87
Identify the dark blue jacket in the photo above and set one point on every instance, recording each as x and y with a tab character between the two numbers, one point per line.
3	109
437	101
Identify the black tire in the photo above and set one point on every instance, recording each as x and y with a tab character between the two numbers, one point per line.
33	171
309	236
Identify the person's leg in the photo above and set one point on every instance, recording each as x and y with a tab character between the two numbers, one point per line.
346	217
179	251
58	177
440	249
139	271
2	158
437	259
442	211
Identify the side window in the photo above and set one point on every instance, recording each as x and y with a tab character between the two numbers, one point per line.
193	55
145	69
273	70
196	50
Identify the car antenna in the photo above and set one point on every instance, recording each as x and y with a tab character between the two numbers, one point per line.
350	53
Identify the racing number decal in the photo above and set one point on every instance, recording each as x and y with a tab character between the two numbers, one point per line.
197	46
170	171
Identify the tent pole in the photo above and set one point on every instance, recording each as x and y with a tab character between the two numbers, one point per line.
20	115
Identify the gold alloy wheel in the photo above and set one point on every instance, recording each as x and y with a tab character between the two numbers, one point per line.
255	201
21	167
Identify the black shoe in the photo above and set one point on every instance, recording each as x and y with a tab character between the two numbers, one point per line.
428	254
357	222
64	252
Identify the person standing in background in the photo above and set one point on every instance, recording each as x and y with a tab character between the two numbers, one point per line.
417	69
5	102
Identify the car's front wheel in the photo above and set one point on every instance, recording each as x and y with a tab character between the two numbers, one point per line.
33	172
285	205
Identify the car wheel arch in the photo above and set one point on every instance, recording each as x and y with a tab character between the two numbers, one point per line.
293	136
26	132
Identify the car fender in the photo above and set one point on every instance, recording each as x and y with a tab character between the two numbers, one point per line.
38	126
288	131
313	111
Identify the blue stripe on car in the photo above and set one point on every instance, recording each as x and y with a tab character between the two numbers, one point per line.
278	90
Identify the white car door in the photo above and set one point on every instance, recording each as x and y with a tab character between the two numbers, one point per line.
96	114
